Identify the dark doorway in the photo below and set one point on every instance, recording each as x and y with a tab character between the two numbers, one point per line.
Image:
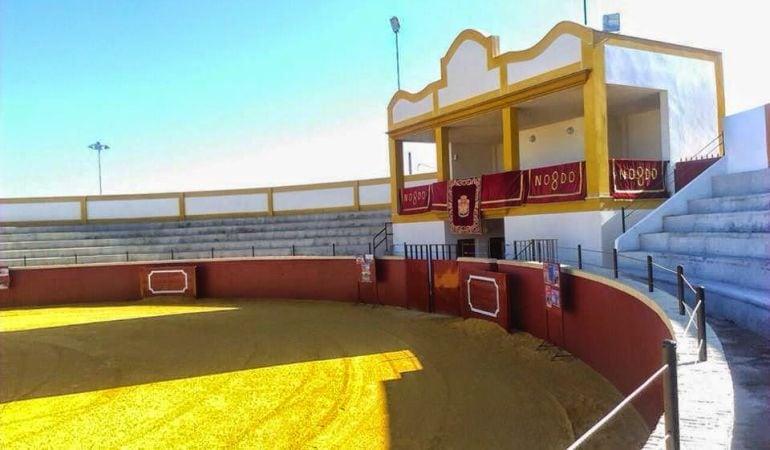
466	248
497	248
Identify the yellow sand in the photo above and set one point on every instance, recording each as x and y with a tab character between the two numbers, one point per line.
288	374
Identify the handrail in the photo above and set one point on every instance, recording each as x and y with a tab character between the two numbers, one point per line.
617	408
375	243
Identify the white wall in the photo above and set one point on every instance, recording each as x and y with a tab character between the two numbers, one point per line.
433	232
312	199
593	230
31	212
226	204
563	51
467	74
405	109
472	160
635	136
374	194
552	144
746	140
133	208
690	86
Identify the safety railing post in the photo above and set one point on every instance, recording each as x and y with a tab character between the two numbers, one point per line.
580	256
252	251
25	260
515	251
172	254
126	256
670	396
680	288
650	282
76	258
212	252
334	249
293	253
700	298
370	248
615	262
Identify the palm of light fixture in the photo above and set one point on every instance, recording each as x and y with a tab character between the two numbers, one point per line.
98	146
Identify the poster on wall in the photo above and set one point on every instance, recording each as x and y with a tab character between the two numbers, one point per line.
366	266
5	277
552	279
464	205
638	178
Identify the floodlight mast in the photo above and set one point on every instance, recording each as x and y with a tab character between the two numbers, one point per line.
396	26
98	146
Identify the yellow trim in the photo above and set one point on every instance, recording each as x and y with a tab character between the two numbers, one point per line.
443	163
396	156
720	82
182	207
375	206
270	210
38	223
135	220
596	146
315	186
289	212
374	181
226	192
83	210
421	176
511	98
226	215
356	198
16	200
511	151
153	196
528	209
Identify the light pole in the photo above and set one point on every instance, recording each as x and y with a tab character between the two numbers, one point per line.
98	146
395	26
585	13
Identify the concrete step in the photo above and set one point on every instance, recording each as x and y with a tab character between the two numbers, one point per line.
745	221
331	233
752	273
165	248
383	214
752	245
743	183
753	202
182	231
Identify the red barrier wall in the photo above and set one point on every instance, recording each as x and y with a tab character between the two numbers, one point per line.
611	330
605	325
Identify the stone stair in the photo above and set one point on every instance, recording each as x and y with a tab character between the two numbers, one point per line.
723	243
309	234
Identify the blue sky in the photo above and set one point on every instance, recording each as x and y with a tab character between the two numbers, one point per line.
196	95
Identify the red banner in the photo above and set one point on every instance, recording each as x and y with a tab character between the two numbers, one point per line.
557	183
415	200
464	204
438	196
638	178
502	189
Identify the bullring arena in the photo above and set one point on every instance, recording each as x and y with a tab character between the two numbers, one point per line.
506	300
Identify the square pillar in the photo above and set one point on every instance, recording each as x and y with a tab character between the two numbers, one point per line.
442	153
596	147
511	159
396	172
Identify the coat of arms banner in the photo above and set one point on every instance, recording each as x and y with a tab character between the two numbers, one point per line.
464	205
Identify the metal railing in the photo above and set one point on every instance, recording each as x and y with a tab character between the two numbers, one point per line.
536	250
172	254
382	237
707	151
697	315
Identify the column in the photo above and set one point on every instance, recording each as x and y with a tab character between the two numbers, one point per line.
396	172
595	118
511	159
442	153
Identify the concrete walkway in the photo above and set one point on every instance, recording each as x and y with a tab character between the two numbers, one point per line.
748	356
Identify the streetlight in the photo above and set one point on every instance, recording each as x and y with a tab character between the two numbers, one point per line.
395	26
98	146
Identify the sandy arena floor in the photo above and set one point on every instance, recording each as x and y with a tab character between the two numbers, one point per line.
289	374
